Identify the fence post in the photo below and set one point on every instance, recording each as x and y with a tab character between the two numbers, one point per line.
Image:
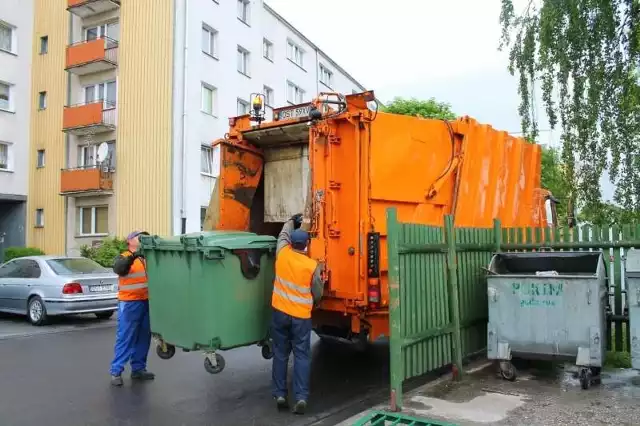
396	338
450	238
497	235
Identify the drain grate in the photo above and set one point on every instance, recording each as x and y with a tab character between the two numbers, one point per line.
383	418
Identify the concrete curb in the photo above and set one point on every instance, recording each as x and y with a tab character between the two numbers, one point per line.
26	335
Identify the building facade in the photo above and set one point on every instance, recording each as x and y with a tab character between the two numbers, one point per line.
133	99
16	27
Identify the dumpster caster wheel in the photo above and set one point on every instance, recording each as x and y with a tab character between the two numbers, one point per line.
210	367
165	350
585	378
267	351
508	371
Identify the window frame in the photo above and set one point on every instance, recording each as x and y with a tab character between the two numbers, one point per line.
44	45
103	31
292	49
9	162
206	153
93	230
212	41
41	158
93	147
322	70
42	100
297	89
245	61
13	38
245	105
10	105
267	49
246	12
268	100
39	219
214	100
106	102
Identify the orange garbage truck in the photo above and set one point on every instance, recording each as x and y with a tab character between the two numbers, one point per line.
342	164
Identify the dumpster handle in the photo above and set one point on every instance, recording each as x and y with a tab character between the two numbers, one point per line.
216	254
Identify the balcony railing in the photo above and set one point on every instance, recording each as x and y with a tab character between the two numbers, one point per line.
91	180
92	56
88	8
89	117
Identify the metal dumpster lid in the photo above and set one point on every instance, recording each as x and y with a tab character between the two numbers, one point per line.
632	262
563	262
229	240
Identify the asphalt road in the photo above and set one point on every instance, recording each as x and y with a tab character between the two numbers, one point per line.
59	376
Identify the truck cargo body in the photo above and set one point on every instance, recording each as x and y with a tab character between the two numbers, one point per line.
345	169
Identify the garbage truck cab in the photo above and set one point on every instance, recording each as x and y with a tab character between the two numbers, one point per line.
342	163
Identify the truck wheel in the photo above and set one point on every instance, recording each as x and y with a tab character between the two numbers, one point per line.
267	351
165	351
585	378
214	369
508	371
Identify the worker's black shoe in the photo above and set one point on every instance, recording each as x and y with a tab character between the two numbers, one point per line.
281	403
142	375
116	381
300	407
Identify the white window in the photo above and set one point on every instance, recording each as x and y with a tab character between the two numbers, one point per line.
93	220
243	60
295	53
207	161
244	12
268	95
111	31
42	100
105	92
326	76
4	156
40	158
7	37
267	49
209	41
39	218
88	156
294	93
5	96
243	107
209	94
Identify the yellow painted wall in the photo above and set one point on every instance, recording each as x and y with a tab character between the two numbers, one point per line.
51	19
144	138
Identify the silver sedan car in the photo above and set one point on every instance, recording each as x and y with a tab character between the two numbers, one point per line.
43	286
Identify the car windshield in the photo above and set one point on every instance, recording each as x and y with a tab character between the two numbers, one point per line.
76	265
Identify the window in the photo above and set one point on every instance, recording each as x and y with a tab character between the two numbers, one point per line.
243	107
208	99
268	95
42	100
206	160
244	12
7	37
44	45
243	61
88	156
267	49
21	268
93	220
40	159
326	76
203	216
294	93
111	31
209	41
73	266
11	269
105	92
4	156
295	54
5	96
39	218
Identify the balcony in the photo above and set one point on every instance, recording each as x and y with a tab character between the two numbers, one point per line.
89	118
88	8
92	56
86	181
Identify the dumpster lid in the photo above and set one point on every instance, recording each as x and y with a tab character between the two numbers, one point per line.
546	263
229	240
632	262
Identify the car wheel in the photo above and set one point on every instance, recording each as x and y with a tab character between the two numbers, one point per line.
36	311
104	315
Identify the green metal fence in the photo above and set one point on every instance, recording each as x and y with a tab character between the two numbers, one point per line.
437	286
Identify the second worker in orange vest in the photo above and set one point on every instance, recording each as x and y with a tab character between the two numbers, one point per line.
297	287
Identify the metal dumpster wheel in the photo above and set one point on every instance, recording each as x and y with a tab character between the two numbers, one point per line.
267	351
209	363
585	378
508	371
165	350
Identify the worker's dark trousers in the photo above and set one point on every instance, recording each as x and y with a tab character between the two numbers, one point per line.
290	333
133	336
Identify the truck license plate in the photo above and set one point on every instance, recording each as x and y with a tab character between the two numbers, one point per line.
100	288
297	112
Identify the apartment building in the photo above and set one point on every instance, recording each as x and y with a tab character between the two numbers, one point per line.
16	23
129	98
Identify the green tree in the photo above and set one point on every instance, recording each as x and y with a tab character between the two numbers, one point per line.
584	55
429	108
553	180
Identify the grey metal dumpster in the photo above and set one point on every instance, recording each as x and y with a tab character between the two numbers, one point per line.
547	305
633	303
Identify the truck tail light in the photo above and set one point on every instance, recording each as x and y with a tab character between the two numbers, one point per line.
373	269
373	293
72	288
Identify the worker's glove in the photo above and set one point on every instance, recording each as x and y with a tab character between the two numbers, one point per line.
297	220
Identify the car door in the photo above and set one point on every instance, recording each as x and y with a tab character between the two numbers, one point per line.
29	280
12	282
7	273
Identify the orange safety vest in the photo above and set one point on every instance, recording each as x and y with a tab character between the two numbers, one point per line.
292	286
134	285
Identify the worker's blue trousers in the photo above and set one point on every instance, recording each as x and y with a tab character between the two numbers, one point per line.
289	333
133	336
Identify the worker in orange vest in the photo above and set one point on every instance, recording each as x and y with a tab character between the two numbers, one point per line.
297	288
133	335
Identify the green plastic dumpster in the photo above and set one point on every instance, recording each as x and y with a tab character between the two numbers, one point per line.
210	291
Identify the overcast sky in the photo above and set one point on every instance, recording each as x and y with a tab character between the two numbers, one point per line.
421	48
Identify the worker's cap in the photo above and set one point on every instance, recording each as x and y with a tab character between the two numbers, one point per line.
134	234
299	238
